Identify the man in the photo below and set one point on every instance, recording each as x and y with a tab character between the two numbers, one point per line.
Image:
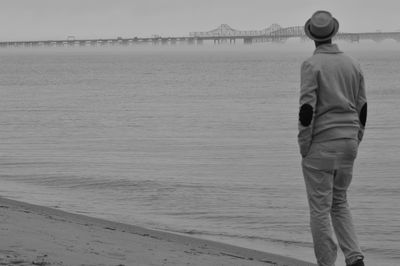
332	117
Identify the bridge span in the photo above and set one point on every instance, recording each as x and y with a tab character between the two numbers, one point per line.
222	34
277	33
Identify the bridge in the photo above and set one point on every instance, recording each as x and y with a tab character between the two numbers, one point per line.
276	33
222	34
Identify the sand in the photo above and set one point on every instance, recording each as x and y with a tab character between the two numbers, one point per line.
36	235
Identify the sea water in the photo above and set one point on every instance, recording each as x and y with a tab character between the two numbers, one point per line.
196	140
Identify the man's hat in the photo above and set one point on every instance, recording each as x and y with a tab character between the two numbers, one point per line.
321	26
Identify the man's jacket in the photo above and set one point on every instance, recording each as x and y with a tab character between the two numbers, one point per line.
333	102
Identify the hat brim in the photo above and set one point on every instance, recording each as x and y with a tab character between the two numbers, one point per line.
316	38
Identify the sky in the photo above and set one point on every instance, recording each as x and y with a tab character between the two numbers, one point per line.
58	19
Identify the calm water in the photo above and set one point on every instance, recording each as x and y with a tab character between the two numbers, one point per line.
199	141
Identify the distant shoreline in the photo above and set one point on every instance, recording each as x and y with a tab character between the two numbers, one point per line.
222	35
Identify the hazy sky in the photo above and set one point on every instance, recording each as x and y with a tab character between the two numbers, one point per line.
57	19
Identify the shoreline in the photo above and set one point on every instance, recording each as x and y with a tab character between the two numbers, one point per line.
38	235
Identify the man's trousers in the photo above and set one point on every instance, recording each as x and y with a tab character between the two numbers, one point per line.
328	171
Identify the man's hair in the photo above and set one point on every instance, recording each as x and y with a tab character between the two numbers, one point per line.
317	43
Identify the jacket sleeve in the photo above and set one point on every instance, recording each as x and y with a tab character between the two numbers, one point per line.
362	107
308	101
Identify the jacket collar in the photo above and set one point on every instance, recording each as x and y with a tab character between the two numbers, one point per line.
327	49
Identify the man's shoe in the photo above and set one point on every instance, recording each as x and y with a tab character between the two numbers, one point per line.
358	263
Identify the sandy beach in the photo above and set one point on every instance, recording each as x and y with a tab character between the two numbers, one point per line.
36	235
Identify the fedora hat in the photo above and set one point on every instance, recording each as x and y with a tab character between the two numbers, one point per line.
322	26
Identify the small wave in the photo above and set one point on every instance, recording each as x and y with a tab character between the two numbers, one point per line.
387	252
244	237
85	182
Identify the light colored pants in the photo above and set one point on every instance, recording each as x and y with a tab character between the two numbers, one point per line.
328	170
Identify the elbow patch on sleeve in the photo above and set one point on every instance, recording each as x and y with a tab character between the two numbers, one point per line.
306	115
363	115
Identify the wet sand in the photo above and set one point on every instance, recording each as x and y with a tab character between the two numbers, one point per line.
36	235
